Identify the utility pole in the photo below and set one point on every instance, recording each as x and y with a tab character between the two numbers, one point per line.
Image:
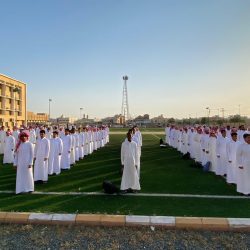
125	108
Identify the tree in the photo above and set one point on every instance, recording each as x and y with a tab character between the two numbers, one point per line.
204	120
237	119
171	120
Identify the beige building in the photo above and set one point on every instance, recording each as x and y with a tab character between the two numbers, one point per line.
12	102
39	118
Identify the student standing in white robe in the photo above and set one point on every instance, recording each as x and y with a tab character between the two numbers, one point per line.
228	132
9	141
86	142
73	146
81	143
23	162
204	146
231	148
42	149
129	159
197	145
167	130
32	137
2	137
61	132
137	139
243	163
90	140
240	133
76	147
67	141
15	133
107	134
48	133
212	157
56	148
221	152
191	142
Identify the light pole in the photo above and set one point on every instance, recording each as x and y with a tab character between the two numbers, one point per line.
50	100
81	113
15	111
208	114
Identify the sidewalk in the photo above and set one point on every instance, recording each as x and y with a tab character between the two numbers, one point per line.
199	223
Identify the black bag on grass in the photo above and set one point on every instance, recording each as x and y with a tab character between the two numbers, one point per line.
110	188
186	156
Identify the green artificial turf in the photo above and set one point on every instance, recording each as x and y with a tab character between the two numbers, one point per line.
162	171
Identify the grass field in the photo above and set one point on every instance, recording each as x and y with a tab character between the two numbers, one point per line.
162	171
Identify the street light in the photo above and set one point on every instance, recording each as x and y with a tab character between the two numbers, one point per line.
208	114
15	111
50	100
81	113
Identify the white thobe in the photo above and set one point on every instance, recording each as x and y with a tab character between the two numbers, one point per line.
76	135
184	141
138	148
48	134
204	148
228	133
16	135
32	137
24	176
73	152
171	137
103	139
2	138
129	159
56	148
191	144
243	175
221	153
197	147
231	148
65	160
90	144
86	143
81	145
167	130
240	137
212	153
42	149
8	156
107	134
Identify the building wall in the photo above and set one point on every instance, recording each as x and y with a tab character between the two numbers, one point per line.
12	104
33	118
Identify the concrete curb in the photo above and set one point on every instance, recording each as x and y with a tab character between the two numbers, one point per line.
197	223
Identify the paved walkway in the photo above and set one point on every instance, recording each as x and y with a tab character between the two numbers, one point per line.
225	224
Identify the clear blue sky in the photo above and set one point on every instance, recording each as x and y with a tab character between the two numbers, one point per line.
181	56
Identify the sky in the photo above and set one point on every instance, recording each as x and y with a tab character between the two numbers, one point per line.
180	56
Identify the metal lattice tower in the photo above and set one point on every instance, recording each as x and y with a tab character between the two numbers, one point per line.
125	109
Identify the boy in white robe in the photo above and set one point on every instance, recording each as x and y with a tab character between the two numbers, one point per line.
56	148
23	162
67	141
212	157
243	163
231	148
81	143
41	154
2	137
9	141
221	152
129	159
